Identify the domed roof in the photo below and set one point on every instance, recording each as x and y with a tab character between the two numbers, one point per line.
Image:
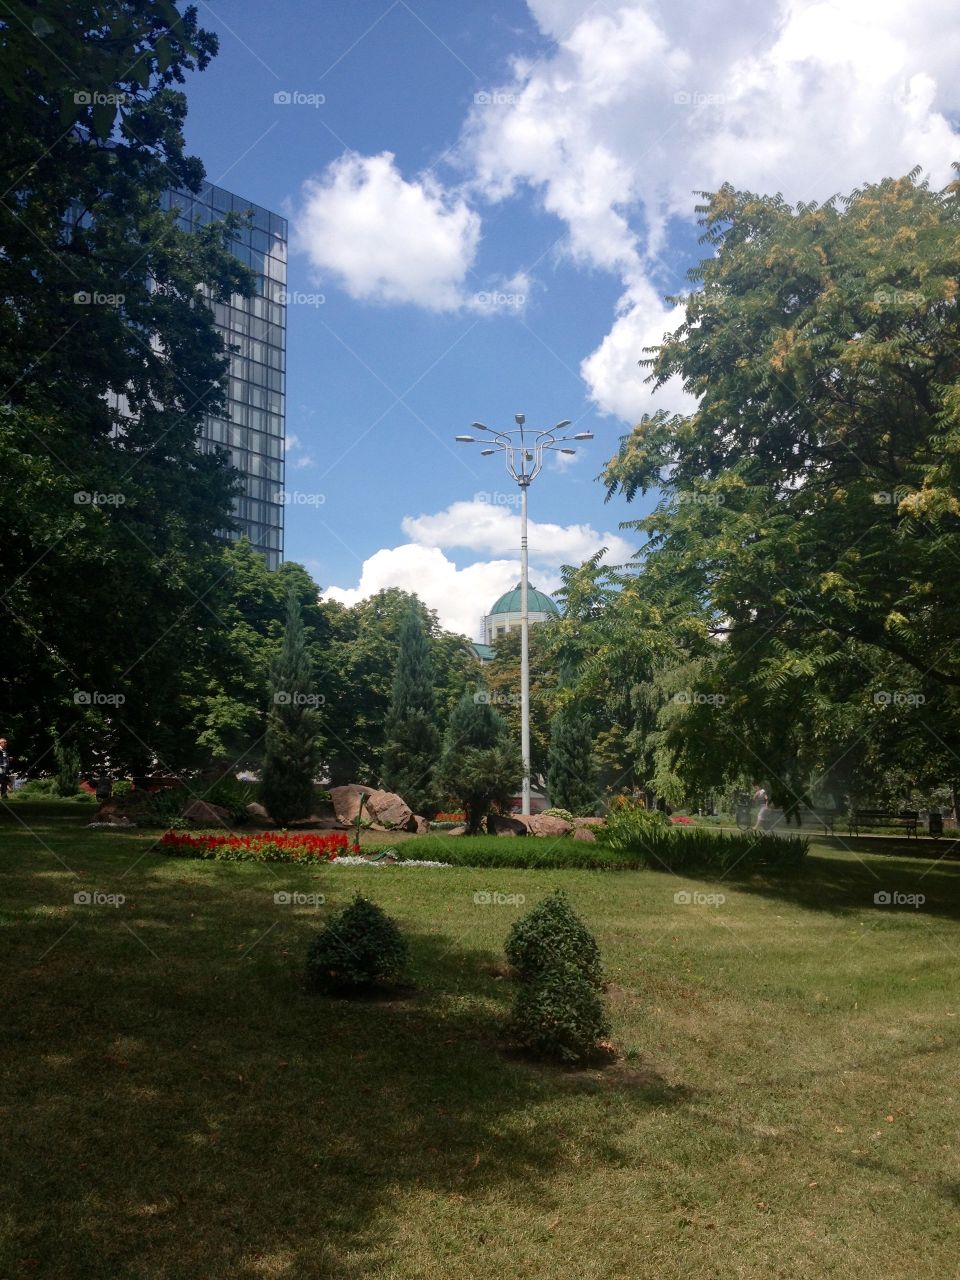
537	602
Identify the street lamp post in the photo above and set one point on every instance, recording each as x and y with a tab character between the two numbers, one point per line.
523	452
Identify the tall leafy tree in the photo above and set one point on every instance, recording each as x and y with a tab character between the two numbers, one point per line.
108	363
797	558
292	754
412	747
480	766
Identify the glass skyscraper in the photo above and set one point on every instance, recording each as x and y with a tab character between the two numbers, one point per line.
253	434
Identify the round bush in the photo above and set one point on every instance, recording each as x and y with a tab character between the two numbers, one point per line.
560	1014
360	948
557	812
552	933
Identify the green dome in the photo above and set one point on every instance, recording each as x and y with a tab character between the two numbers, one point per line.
537	602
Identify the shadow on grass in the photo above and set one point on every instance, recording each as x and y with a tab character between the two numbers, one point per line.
183	1105
840	884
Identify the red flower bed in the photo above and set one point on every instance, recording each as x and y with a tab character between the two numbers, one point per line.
280	846
682	818
450	817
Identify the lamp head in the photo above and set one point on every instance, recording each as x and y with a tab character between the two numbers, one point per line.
466	440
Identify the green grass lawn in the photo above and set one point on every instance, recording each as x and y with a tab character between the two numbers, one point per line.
176	1105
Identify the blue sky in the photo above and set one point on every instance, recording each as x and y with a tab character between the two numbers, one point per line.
488	204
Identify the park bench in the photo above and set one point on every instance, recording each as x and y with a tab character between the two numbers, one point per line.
906	820
819	818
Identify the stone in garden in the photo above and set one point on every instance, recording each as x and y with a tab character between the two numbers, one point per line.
457	831
591	822
419	825
388	811
498	824
202	812
346	801
258	812
547	824
584	833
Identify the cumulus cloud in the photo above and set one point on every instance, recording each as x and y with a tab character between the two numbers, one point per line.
641	105
492	525
387	239
617	382
461	597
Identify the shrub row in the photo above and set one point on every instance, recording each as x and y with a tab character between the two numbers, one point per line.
669	849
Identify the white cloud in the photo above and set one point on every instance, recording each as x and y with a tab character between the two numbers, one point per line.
461	597
292	441
641	105
387	239
303	461
616	381
491	526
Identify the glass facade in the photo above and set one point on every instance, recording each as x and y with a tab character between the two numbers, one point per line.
255	331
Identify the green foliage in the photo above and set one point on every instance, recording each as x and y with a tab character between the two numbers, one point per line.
808	506
122	787
697	849
480	765
558	1010
551	934
560	813
291	758
570	780
233	795
92	138
412	742
501	851
165	807
67	778
628	825
360	948
37	787
560	1014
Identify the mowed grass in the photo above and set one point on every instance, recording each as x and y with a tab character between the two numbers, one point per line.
176	1105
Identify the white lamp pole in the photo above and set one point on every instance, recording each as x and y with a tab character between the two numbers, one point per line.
524	459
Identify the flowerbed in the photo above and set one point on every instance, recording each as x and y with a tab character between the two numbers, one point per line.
279	846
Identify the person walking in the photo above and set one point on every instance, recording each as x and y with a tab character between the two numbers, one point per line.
6	764
762	802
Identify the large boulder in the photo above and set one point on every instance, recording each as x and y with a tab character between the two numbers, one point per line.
257	813
346	801
419	825
584	833
388	811
498	824
456	831
203	814
546	824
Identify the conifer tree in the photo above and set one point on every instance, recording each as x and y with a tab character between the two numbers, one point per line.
480	765
291	755
570	770
412	741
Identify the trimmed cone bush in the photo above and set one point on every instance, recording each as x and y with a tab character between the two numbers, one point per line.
560	1014
359	949
551	934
